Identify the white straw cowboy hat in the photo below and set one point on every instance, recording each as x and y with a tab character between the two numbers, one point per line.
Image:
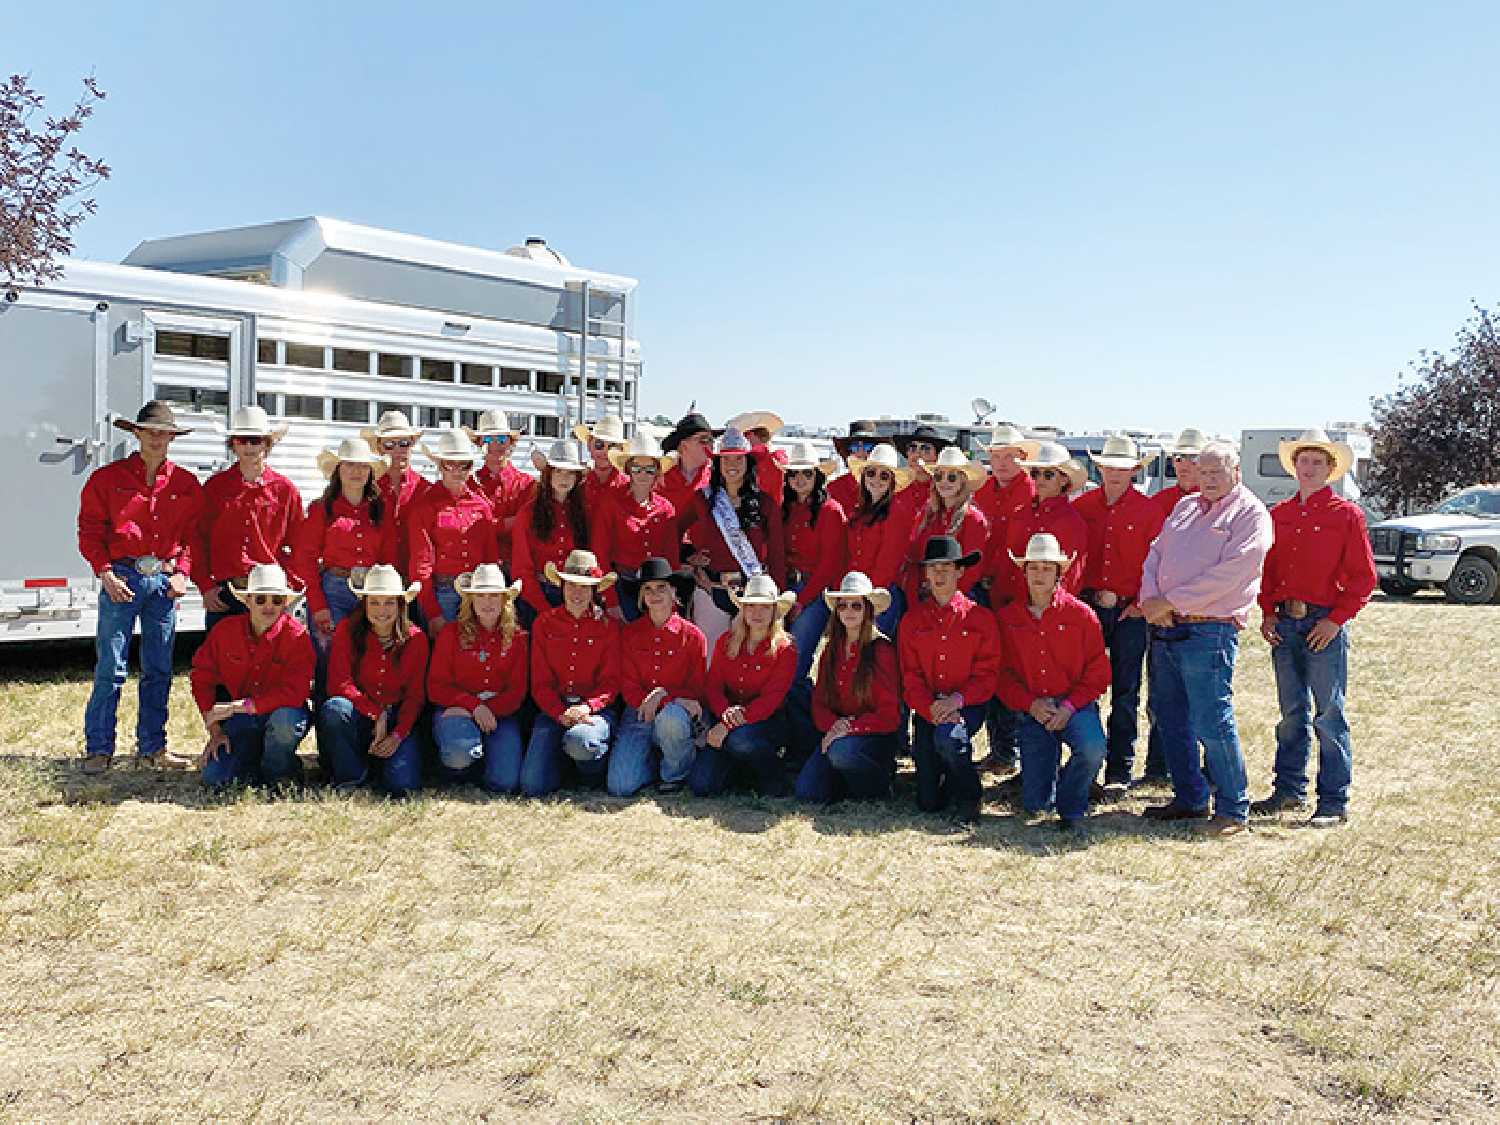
1006	436
452	445
252	421
384	581
804	455
883	456
354	451
954	458
265	578
1340	455
641	445
610	428
857	584
393	425
1042	547
486	578
563	454
492	423
756	420
1189	443
155	415
1051	455
733	442
1119	452
761	590
582	568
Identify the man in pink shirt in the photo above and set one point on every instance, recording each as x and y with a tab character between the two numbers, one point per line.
1199	582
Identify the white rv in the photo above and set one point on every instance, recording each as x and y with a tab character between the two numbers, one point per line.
323	323
1263	474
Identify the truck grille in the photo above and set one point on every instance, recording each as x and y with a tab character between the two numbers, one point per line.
1385	540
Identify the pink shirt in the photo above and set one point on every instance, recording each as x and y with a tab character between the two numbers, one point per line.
1207	559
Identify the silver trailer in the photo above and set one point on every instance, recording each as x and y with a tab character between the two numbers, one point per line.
323	323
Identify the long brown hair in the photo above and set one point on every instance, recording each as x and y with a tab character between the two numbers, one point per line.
371	496
543	514
468	623
835	638
359	630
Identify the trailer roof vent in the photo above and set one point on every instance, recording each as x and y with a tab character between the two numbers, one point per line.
538	251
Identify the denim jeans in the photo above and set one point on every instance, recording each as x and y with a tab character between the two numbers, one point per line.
857	766
750	754
341	603
1127	639
447	599
633	761
807	631
1192	672
944	757
1045	782
1310	686
158	617
889	621
467	754
344	737
554	750
262	749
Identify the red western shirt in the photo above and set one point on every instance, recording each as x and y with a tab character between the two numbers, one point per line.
449	535
845	489
384	678
1057	656
508	491
756	679
1167	499
574	657
1119	536
398	499
770	476
245	522
123	516
348	539
882	714
946	649
673	656
815	550
681	490
623	533
272	670
1054	517
1321	555
999	502
599	489
531	555
973	535
878	549
767	540
485	672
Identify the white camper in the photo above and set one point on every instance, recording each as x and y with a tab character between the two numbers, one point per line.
1262	471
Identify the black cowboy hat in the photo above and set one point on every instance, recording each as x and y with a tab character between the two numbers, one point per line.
658	570
945	548
689	424
921	433
155	415
863	428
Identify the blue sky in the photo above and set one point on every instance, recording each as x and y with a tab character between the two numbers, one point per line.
1147	215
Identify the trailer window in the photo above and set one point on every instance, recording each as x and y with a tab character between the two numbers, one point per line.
545	425
477	375
195	400
549	382
468	418
351	410
404	408
395	366
1271	466
431	416
304	355
192	345
267	402
265	351
437	370
345	359
515	377
301	406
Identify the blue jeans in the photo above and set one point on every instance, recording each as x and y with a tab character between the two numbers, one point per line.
341	603
1310	686
751	753
890	620
807	631
158	617
447	599
465	753
1192	670
525	614
262	749
1127	639
633	761
857	766
944	757
553	750
344	737
1043	784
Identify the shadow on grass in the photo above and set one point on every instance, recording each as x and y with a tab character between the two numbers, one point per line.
72	661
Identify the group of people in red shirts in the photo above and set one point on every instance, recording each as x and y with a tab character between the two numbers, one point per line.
666	603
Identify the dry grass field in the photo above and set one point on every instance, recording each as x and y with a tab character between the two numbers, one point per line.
169	956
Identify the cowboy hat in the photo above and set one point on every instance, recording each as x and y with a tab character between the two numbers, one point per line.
610	428
564	454
491	423
756	420
1340	455
857	584
761	590
155	415
264	578
393	424
804	455
580	567
641	445
1051	455
658	570
1042	547
1119	452
925	433
883	456
734	443
354	451
1189	443
954	458
861	429
486	578
451	445
1006	436
945	548
384	581
689	424
252	421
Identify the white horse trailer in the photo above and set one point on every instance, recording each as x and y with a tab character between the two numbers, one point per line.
323	323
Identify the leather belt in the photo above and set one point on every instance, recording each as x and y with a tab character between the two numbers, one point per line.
444	579
1108	599
1201	619
147	565
357	573
1297	609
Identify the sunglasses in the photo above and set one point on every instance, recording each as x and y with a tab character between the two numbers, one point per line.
396	443
921	447
861	443
1043	474
879	474
952	477
241	439
1187	458
454	467
269	599
645	470
800	472
599	446
495	439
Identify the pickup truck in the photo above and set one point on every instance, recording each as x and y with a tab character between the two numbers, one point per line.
1455	547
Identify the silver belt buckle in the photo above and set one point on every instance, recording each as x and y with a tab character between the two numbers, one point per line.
1295	608
1106	599
148	565
357	575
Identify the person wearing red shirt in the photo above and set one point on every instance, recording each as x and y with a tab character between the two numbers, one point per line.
575	680
637	524
377	676
506	487
859	442
1054	670
879	528
950	652
921	448
949	510
602	481
250	680
452	529
759	426
1185	452
856	708
553	524
1054	475
401	486
692	440
1318	574
251	514
663	661
814	533
477	679
1121	521
135	521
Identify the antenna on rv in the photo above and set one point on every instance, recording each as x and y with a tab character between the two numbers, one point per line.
982	408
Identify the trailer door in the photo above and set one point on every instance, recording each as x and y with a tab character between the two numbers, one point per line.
195	363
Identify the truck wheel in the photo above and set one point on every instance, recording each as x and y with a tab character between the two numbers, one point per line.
1398	587
1474	581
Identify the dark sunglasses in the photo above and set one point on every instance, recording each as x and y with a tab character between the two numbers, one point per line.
397	443
879	474
269	599
951	477
599	446
800	472
860	443
242	439
1043	474
645	470
921	447
495	439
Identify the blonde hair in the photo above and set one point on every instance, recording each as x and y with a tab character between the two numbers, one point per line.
960	510
468	623
777	637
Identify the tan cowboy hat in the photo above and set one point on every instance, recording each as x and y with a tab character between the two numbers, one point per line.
1006	436
155	415
883	456
610	428
644	446
1119	452
761	590
1340	455
804	455
582	568
1189	443
756	420
264	578
1042	547
563	454
452	445
954	458
384	581
1051	455
857	584
486	578
354	451
394	425
253	421
492	423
